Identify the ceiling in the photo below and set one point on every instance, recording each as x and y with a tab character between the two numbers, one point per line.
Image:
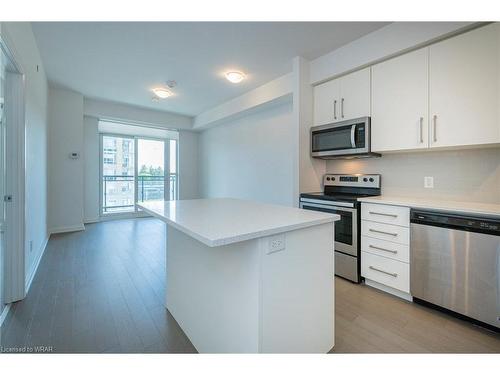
122	61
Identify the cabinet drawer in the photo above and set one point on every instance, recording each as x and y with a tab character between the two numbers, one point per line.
386	249
393	233
383	213
386	271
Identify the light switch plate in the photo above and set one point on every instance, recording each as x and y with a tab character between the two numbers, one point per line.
429	182
276	243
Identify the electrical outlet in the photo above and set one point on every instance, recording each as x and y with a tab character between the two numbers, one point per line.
429	182
276	243
31	246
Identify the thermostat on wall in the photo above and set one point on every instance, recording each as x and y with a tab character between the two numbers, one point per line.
74	155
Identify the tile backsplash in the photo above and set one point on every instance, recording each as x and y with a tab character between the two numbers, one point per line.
468	175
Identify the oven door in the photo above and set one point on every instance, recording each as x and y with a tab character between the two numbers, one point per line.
346	229
344	138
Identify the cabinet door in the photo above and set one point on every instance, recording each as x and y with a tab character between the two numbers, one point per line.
464	89
400	103
326	102
355	95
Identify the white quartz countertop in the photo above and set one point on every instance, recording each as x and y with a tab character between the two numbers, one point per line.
223	221
488	209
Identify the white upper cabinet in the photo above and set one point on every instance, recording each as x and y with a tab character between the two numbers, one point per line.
343	98
400	114
326	102
464	89
355	95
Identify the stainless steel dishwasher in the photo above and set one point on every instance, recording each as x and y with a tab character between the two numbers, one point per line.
455	264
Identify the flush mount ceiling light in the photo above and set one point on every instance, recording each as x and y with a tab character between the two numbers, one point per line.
161	92
235	77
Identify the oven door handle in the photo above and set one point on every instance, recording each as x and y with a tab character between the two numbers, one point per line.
326	207
353	136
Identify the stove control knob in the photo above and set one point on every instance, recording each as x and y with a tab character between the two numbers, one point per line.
328	178
365	179
371	179
333	178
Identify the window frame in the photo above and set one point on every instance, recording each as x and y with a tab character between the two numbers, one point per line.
166	161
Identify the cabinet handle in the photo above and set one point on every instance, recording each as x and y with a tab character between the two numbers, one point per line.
381	214
381	248
421	130
387	273
434	119
380	231
335	109
342	108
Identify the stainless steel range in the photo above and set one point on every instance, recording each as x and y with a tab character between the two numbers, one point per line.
340	196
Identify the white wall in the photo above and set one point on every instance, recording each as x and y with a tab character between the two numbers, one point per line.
467	175
251	101
91	169
65	174
188	147
122	112
310	170
20	38
188	165
250	158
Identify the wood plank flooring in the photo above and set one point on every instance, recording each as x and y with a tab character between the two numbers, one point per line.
99	291
102	291
371	321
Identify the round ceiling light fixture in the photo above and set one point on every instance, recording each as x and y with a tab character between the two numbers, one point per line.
161	92
235	76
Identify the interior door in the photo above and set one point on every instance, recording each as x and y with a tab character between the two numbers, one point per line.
2	173
465	88
400	103
12	180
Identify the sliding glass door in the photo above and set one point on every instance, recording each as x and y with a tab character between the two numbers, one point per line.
136	169
118	174
151	164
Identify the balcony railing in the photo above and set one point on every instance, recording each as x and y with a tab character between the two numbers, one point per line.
118	191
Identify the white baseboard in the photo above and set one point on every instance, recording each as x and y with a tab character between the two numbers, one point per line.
388	289
91	220
131	215
4	314
74	228
37	263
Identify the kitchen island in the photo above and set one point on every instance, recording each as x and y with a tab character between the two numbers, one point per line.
247	277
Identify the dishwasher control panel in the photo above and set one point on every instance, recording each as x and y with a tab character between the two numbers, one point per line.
457	221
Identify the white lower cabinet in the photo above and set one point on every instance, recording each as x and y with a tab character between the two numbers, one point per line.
385	248
388	232
389	272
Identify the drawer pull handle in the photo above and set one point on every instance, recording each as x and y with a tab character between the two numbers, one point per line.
387	273
381	231
381	248
381	214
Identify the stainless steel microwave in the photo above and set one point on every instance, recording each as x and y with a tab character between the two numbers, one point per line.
345	139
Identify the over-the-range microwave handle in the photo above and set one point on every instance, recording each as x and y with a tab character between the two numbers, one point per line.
353	136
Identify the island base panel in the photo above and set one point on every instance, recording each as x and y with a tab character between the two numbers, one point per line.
239	298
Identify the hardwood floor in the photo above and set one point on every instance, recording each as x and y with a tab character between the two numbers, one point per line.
371	321
102	291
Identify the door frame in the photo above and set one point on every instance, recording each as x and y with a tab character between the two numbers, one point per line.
14	272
